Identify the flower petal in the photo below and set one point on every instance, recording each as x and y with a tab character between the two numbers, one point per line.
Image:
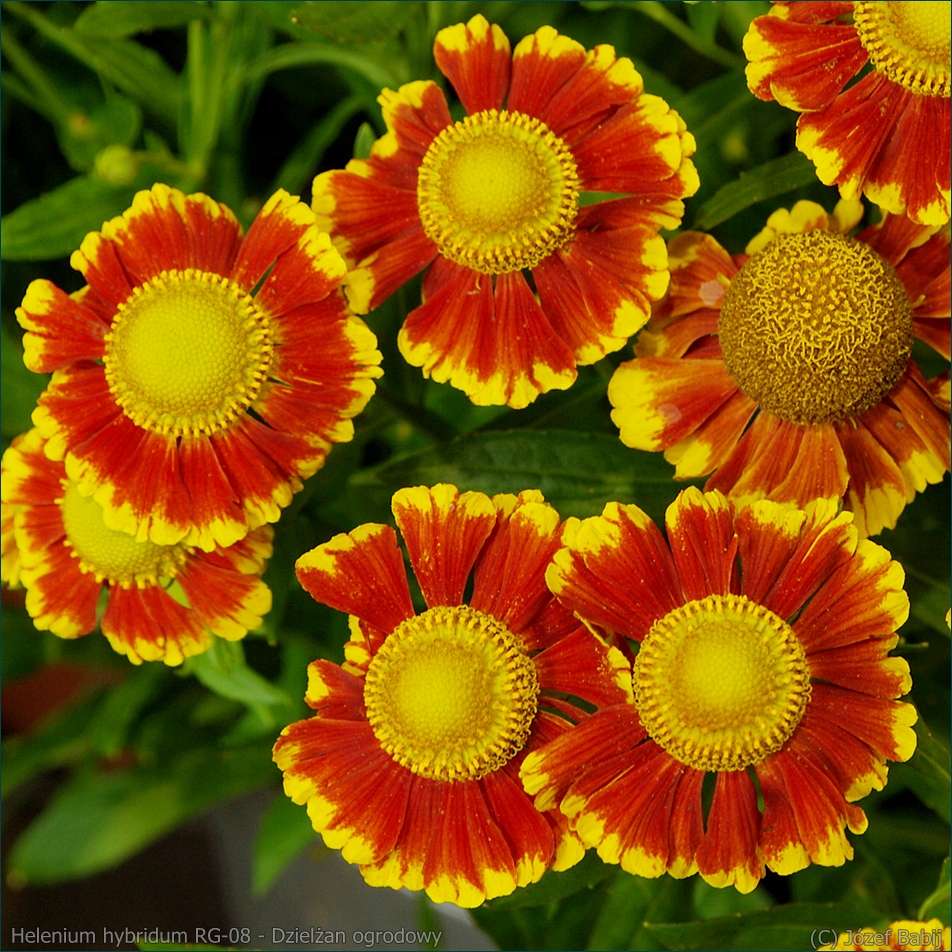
592	573
59	330
444	532
476	58
360	573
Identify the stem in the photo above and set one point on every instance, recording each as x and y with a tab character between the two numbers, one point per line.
658	12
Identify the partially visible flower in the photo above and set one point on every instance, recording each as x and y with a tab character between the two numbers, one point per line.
481	201
887	135
411	765
200	376
904	934
162	602
786	372
763	639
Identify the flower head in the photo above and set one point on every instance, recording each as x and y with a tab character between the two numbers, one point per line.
904	934
763	638
163	602
807	338
411	765
199	376
887	135
481	201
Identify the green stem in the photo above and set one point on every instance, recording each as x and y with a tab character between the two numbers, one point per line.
46	97
658	12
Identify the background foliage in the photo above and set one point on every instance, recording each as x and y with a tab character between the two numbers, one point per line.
237	100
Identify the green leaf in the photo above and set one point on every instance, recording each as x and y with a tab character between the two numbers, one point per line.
290	55
354	21
938	901
554	886
284	833
116	121
927	772
791	926
54	225
222	669
19	388
99	819
622	912
119	18
577	472
773	178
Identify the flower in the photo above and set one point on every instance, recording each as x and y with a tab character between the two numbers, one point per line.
480	201
904	934
763	640
163	602
411	765
887	135
199	376
806	337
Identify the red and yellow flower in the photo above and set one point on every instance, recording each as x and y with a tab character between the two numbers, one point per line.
162	602
411	765
200	375
763	638
886	135
906	934
481	201
786	372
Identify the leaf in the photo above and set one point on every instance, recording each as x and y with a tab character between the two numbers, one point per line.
99	819
116	121
790	926
938	900
577	472
927	772
354	21
773	178
55	224
284	833
19	388
119	18
554	886
222	669
622	912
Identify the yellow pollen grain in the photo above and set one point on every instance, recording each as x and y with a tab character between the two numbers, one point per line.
187	353
816	328
451	694
908	42
498	192
721	683
113	556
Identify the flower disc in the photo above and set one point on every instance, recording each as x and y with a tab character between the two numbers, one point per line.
451	694
816	328
498	192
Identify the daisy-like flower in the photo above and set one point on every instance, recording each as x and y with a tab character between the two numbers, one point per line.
481	201
807	337
200	376
901	935
763	637
162	602
411	765
885	136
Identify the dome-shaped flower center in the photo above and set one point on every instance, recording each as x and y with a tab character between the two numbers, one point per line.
451	694
113	556
721	683
187	353
498	192
816	328
908	42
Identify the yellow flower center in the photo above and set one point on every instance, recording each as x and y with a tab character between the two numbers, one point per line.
498	192
816	328
908	42
187	353
451	695
721	683
113	556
